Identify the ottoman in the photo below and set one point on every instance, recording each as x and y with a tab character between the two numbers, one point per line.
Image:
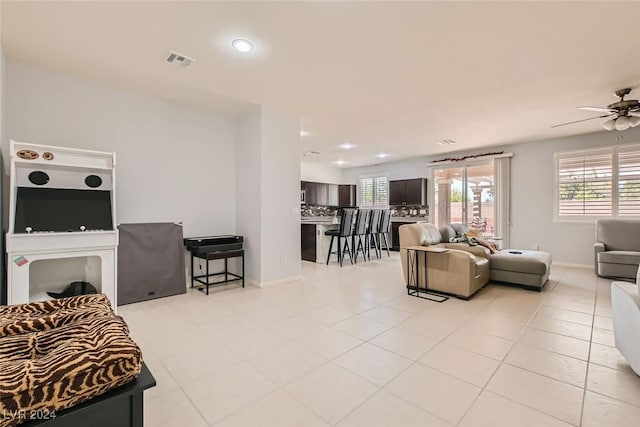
57	354
529	269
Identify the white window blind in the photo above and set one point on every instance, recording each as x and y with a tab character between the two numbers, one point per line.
366	192
381	191
629	183
602	183
585	185
374	191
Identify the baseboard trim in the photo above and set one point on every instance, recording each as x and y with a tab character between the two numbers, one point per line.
569	264
272	282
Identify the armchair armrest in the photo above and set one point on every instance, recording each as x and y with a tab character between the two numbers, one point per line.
597	248
625	307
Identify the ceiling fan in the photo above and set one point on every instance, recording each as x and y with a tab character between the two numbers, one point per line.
622	114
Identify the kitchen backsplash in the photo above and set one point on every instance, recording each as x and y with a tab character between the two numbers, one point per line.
404	211
410	211
317	211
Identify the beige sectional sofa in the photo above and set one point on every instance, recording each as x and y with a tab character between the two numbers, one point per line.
464	269
461	271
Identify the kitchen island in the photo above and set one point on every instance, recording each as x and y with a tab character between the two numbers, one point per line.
314	243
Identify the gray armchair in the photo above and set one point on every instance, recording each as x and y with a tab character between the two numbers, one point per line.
617	248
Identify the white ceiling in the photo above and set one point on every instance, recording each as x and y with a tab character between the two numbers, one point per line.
390	77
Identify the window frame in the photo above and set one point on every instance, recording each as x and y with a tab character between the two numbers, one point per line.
373	178
614	151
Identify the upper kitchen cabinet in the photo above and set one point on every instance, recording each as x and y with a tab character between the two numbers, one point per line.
408	192
347	196
320	194
332	194
309	190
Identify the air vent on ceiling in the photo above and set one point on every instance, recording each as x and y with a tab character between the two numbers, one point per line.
311	153
180	59
447	142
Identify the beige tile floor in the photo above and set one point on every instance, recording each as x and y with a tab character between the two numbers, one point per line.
348	347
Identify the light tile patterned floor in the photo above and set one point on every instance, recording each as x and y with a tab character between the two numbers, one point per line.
348	347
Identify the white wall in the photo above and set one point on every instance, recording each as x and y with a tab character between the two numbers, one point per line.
532	188
280	196
3	180
2	95
402	169
268	187
174	163
315	172
248	189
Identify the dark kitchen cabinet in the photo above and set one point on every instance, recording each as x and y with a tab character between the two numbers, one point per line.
332	195
322	194
347	196
308	242
416	193
315	193
395	237
397	192
408	192
309	192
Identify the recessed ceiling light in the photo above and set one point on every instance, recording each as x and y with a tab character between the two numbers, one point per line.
382	155
347	146
242	45
340	162
304	133
447	142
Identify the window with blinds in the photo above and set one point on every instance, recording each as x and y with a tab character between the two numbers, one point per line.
381	191
374	191
603	183
366	192
629	183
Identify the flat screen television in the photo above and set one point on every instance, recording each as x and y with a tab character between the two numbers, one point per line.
62	209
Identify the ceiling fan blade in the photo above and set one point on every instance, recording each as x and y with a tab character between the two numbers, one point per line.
634	113
598	109
583	120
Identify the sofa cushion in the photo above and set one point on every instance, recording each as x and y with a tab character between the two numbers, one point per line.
620	257
521	261
448	233
430	234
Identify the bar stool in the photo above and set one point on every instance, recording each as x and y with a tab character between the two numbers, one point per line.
359	239
373	232
385	229
344	232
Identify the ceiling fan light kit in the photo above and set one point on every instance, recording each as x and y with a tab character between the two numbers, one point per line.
622	114
609	124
